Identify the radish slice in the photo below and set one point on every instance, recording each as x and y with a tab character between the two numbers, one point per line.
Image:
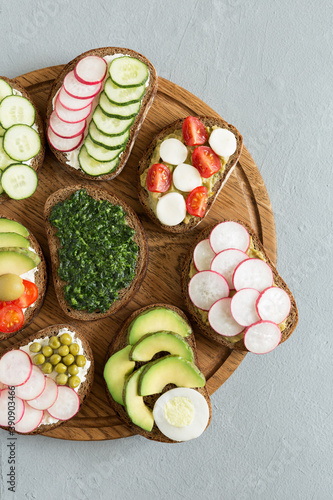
203	255
65	129
79	90
66	405
11	408
207	287
48	396
31	419
70	116
186	177
274	305
262	337
15	368
226	262
253	273
34	386
72	103
229	234
223	142
62	143
171	209
91	70
243	306
173	151
3	386
221	320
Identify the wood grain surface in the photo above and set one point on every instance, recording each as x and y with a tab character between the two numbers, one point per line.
244	197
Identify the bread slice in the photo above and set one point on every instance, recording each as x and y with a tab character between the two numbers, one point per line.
84	388
53	241
37	161
291	320
119	342
220	182
146	103
40	281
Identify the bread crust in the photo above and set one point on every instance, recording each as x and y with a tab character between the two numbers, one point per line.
146	158
139	237
291	320
146	103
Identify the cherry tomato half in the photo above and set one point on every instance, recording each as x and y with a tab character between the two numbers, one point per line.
29	295
196	201
158	178
11	318
194	131
206	161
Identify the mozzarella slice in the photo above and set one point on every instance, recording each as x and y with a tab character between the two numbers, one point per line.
171	209
186	177
223	142
173	151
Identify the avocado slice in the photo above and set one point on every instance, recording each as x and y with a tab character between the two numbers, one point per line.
152	343
116	370
169	370
137	410
156	320
11	226
13	240
16	261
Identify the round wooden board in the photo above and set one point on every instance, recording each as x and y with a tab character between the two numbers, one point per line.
244	197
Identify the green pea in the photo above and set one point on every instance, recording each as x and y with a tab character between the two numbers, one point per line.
39	359
80	360
61	379
74	349
65	339
35	347
60	368
63	350
47	368
68	360
73	370
54	342
47	351
55	359
74	381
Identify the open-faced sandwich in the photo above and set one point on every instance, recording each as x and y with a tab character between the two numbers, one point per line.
44	380
152	377
184	169
23	277
96	108
98	251
233	291
22	145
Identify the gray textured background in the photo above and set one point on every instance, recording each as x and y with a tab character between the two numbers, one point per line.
266	67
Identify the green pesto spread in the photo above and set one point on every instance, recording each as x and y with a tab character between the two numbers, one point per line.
97	252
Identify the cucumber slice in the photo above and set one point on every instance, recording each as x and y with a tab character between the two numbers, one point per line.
19	181
107	141
5	160
110	126
16	109
2	131
21	142
123	96
93	167
99	153
128	72
5	89
116	111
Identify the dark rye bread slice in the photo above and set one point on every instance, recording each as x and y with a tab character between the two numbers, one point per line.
41	282
119	342
139	237
291	320
222	177
146	103
84	388
37	161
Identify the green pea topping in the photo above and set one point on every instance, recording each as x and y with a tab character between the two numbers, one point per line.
54	342
47	351
74	349
73	369
65	339
55	359
63	350
60	368
80	360
74	381
47	368
61	379
68	360
39	359
35	347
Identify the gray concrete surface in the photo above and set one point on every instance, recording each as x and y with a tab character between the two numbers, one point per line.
266	66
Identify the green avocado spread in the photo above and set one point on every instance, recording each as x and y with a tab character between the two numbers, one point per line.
97	252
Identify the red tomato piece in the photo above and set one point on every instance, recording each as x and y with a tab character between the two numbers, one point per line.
29	295
158	178
11	318
196	202
194	131
206	161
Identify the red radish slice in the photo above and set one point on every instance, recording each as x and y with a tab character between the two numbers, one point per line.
91	70
207	287
65	129
203	255
11	408
3	386
229	234
15	368
31	419
34	386
72	103
262	337
221	320
62	143
253	273
274	305
226	262
70	116
67	404
243	306
79	90
48	396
